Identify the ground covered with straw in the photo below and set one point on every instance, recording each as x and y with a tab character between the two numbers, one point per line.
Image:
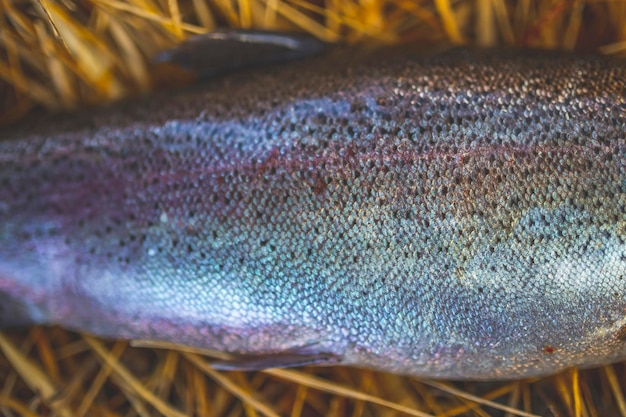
59	54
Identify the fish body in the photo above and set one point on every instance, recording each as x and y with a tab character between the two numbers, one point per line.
457	216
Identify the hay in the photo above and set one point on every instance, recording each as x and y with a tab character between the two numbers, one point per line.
59	54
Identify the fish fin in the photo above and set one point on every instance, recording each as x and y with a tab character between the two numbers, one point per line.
14	313
287	359
224	51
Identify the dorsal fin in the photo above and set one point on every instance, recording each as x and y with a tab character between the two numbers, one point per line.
225	51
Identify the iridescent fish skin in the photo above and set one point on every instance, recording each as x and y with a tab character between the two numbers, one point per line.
459	216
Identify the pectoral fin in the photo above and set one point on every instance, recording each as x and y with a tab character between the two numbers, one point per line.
15	313
287	359
226	51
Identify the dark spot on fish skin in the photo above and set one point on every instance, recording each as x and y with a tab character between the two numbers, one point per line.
548	349
319	187
621	333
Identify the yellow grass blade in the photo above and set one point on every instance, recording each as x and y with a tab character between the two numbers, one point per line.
229	385
160	405
333	388
479	400
36	379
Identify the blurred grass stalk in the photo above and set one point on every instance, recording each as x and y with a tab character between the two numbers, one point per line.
59	54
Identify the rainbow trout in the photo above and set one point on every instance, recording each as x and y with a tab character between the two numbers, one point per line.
461	215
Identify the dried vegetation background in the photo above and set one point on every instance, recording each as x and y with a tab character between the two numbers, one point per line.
59	54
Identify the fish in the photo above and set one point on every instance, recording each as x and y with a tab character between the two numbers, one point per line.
456	215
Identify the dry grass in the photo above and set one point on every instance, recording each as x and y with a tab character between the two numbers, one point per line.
62	53
55	372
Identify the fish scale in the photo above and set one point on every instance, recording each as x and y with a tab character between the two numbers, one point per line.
459	215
